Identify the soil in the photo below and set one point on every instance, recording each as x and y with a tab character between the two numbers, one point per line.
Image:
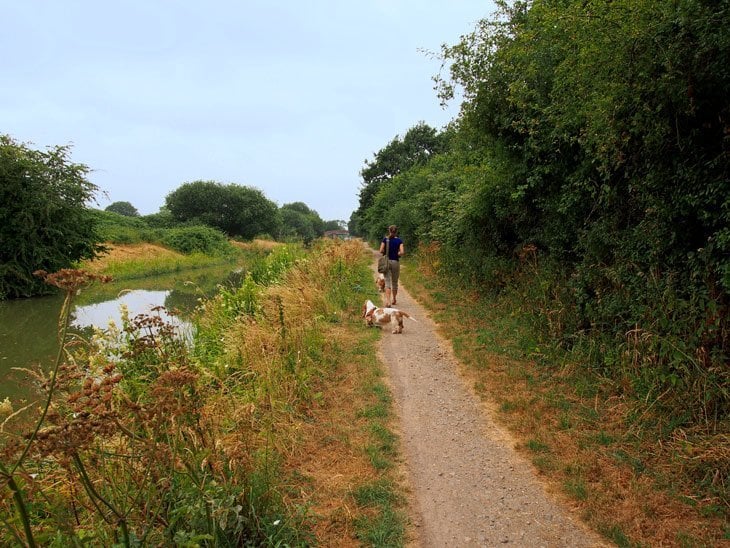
468	485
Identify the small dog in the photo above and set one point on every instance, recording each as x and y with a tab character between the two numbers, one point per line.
380	282
380	317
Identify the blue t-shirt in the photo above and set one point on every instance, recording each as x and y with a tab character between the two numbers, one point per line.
393	247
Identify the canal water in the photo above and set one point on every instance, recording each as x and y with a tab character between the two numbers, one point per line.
28	327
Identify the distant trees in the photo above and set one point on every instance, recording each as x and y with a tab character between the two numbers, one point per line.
44	220
336	224
236	210
301	222
123	208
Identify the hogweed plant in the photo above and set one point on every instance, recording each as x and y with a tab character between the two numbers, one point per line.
17	450
131	446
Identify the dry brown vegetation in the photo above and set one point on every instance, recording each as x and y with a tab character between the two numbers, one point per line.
329	455
267	245
585	441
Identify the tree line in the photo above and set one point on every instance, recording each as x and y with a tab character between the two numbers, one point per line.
592	143
47	223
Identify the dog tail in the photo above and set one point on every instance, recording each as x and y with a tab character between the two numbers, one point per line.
409	316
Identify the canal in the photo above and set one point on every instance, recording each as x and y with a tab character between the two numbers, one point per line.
28	327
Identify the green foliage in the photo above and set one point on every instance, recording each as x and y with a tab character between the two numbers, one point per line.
271	270
44	220
145	441
300	222
334	225
592	141
417	146
196	239
123	208
183	238
234	209
116	228
161	219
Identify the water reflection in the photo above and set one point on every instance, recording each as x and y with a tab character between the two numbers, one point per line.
28	327
137	301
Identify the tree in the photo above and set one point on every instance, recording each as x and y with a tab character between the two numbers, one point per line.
123	208
417	147
335	224
44	221
299	221
234	209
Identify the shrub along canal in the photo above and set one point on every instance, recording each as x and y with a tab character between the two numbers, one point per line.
28	327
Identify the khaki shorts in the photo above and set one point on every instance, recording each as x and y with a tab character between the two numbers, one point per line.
391	277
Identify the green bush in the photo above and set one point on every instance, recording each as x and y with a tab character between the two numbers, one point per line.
44	221
196	239
122	229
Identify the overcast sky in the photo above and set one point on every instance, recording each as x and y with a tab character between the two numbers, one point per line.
290	97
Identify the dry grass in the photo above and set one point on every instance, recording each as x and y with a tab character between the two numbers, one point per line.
629	486
128	252
256	244
329	453
313	400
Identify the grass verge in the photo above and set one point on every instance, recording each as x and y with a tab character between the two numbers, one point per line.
344	462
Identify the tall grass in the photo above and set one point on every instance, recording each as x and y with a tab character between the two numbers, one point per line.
145	440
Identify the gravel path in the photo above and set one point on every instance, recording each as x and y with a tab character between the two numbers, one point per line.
469	486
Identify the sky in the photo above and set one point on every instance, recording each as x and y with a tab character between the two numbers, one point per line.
287	96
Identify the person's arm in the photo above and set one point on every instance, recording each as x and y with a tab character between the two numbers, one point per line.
382	248
401	250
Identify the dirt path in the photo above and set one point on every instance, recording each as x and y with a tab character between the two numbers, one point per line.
469	486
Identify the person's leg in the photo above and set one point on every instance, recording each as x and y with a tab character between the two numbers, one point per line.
388	286
394	275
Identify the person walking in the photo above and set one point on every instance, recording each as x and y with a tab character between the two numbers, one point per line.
394	246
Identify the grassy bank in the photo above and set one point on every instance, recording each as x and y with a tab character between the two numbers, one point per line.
272	429
139	260
639	479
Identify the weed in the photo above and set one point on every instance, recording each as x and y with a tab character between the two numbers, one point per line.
537	446
380	492
385	529
142	441
576	488
545	463
602	438
617	535
508	406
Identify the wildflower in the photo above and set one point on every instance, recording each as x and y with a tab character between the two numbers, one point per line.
70	279
6	408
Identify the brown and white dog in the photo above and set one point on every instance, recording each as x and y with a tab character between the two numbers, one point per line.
381	317
380	282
